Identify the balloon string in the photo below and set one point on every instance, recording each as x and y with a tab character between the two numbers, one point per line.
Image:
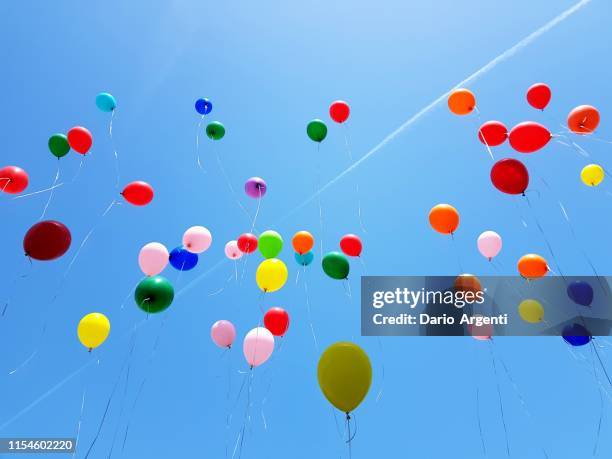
481	134
7	183
197	141
13	285
478	416
78	172
501	405
350	155
382	368
601	402
309	312
216	292
57	176
229	184
38	192
247	417
256	211
114	147
319	198
455	249
78	432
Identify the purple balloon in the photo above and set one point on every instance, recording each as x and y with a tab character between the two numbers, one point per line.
255	187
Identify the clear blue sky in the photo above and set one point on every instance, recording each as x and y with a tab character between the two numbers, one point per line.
268	68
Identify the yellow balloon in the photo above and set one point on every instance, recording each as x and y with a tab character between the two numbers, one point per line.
345	375
592	175
271	275
531	311
93	330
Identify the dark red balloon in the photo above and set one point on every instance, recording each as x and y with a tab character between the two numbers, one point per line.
493	133
13	179
247	243
539	96
47	240
80	139
138	193
277	321
510	176
351	245
529	136
339	111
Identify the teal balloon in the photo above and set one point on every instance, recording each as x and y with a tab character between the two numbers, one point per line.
336	265
154	294
304	259
270	244
106	102
215	130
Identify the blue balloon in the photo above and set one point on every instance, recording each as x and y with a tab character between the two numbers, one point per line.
106	102
182	259
580	292
576	335
304	259
203	106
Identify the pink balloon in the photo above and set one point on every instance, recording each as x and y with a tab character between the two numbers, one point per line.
258	346
482	332
223	333
153	258
232	251
197	239
489	244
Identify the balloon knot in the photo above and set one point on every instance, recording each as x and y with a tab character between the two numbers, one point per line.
90	349
348	416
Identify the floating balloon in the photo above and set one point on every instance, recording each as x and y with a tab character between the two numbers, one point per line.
302	242
247	243
197	239
335	265
532	266
232	251
58	145
106	102
510	176
576	335
592	175
461	101
203	106
215	130
583	120
93	330
339	111
154	294
304	259
223	333
351	245
277	321
13	179
489	244
482	332
270	244
138	193
467	283
271	275
345	375
444	218
258	346
80	139
316	130
531	311
153	258
255	187
47	240
538	96
529	136
182	259
493	133
580	292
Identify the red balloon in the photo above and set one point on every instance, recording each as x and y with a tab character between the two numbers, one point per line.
539	95
351	245
47	240
80	139
247	243
510	176
13	179
493	133
339	111
277	321
138	193
529	136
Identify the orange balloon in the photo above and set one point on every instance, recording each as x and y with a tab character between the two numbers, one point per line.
302	242
583	120
532	266
461	101
444	218
467	283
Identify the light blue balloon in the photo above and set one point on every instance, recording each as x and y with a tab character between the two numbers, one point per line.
304	259
106	102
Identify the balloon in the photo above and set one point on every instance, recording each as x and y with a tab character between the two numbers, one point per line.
351	245
93	330
592	175
302	242
529	136
182	259
583	120
304	259
580	292
153	258
203	106
247	243
47	240
223	333
576	335
461	101
270	244
106	102
489	244
271	275
80	139
277	321
538	96
258	346
197	239
345	375
493	133
339	111
444	218
482	332
232	251
531	311
154	294
58	145
532	266
336	265
467	283
316	130
138	193
215	130
510	176
255	187
13	179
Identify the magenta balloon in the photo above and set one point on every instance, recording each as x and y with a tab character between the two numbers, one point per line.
489	244
258	346
223	333
153	258
232	251
197	239
255	187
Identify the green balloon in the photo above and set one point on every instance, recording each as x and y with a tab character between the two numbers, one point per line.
58	145
316	130
154	294
270	244
215	130
336	265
